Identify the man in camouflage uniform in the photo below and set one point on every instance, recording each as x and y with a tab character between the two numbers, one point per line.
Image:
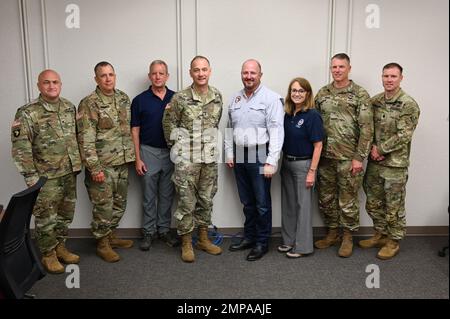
191	120
396	115
106	148
44	143
348	123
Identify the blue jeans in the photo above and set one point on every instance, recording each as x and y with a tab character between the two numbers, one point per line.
254	193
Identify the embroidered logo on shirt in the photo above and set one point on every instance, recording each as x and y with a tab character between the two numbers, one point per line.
300	123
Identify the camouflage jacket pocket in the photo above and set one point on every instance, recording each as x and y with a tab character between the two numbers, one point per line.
212	116
105	121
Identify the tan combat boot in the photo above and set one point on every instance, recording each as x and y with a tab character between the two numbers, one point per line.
66	256
205	244
389	250
119	243
331	239
377	240
105	251
187	253
347	244
51	263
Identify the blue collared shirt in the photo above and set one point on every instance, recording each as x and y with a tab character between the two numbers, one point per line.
147	111
256	120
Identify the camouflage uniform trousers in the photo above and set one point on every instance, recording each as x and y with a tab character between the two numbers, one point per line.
54	210
109	199
338	193
385	189
196	185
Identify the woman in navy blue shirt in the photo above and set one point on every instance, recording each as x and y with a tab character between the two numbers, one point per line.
303	130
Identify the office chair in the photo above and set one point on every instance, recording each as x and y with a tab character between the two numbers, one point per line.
20	266
441	252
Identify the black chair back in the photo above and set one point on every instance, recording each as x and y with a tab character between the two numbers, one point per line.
20	266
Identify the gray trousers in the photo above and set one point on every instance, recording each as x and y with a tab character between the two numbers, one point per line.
158	190
296	207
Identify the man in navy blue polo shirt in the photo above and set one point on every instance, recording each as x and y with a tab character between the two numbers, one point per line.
153	163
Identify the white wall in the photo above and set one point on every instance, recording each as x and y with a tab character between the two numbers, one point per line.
289	37
12	93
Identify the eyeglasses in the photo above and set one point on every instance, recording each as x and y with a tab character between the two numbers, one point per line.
295	91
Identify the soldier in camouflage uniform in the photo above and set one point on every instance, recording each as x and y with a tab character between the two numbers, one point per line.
106	148
190	126
348	123
396	115
44	143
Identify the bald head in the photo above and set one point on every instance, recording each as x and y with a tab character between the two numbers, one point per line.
251	76
253	63
46	73
49	84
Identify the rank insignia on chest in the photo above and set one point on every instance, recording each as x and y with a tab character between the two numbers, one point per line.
16	132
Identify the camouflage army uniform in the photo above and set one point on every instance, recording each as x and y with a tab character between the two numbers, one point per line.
348	123
105	143
395	120
194	153
44	143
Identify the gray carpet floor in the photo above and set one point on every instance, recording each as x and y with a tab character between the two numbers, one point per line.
417	272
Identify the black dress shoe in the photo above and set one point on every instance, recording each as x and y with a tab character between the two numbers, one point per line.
256	253
170	240
244	244
146	242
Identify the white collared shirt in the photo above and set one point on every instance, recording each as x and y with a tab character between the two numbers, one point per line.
256	120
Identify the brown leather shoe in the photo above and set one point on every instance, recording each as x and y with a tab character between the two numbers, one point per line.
66	256
389	250
330	239
377	240
346	248
205	244
105	251
119	243
187	253
51	263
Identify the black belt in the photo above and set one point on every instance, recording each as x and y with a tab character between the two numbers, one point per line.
255	147
290	158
